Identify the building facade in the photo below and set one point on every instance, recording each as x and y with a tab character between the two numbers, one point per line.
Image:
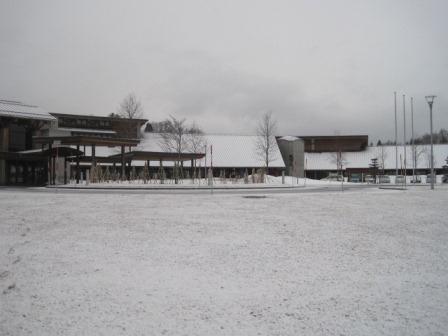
19	122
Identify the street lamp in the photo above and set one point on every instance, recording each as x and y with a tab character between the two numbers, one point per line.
430	100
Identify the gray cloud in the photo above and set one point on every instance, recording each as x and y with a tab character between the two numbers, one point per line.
320	66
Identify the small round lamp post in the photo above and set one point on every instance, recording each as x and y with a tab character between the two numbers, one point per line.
430	100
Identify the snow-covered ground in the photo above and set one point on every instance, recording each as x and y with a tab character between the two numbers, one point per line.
228	183
270	182
364	262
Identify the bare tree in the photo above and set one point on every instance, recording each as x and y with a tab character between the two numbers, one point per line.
196	143
422	151
130	107
426	152
382	157
338	159
177	137
266	145
174	135
195	139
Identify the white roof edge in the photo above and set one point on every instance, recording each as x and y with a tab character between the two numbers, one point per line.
26	115
15	109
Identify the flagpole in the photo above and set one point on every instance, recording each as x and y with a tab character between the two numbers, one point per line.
396	139
404	137
412	140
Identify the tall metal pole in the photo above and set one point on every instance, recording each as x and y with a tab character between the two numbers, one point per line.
404	136
412	140
396	139
432	148
430	100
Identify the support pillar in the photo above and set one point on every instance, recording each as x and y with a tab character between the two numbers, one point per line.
161	177
50	163
77	165
93	155
93	172
53	170
65	170
122	163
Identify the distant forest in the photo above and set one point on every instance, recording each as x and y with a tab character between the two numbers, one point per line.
440	137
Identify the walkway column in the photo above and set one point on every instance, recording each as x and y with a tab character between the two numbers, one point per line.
65	170
50	163
93	156
53	169
122	163
77	164
161	177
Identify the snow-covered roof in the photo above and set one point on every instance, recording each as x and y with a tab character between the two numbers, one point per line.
14	109
232	151
362	159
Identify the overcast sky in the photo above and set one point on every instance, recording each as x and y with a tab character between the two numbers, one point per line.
321	67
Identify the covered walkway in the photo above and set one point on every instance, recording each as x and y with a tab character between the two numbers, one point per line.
124	158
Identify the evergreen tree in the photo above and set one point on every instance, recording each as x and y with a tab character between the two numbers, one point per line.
374	167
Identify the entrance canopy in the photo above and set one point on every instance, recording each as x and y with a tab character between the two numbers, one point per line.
123	158
83	140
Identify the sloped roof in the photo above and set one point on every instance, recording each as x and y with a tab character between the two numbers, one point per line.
229	151
362	159
14	109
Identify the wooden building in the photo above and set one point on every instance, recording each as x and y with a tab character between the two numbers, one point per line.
19	165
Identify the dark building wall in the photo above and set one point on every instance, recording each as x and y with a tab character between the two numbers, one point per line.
17	138
4	145
127	128
343	143
17	135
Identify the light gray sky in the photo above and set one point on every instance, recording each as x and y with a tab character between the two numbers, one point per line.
320	66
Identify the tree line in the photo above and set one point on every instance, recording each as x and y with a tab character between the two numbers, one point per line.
440	137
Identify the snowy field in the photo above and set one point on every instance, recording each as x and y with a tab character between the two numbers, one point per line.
363	262
271	182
